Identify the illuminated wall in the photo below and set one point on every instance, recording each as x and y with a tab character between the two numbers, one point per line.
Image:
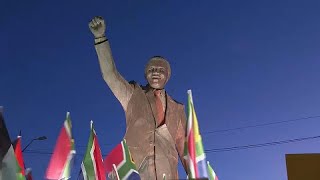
303	166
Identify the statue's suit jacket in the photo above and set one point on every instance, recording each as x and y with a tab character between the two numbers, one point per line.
155	150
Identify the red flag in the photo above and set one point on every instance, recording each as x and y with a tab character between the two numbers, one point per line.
59	166
18	153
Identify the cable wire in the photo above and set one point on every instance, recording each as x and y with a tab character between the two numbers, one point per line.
260	125
217	150
250	146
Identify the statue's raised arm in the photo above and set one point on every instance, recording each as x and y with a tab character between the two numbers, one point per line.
118	85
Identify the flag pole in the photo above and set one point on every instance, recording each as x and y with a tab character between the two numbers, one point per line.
115	169
79	174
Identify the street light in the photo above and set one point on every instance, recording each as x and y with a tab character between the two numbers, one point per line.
41	138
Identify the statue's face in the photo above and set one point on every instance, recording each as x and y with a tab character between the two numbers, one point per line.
157	75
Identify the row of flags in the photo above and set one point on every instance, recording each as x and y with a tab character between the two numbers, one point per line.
118	165
12	165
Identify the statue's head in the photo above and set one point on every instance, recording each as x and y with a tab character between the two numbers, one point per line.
157	72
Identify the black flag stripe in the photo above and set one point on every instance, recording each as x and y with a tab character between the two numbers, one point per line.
5	141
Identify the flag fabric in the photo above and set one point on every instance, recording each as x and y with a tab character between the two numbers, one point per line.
8	162
195	153
19	158
113	175
211	173
92	165
61	160
120	160
28	174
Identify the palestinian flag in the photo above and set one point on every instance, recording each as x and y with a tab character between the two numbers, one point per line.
61	159
212	174
92	164
8	162
195	154
19	157
120	157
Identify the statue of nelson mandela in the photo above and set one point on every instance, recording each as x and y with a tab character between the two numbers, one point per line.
155	123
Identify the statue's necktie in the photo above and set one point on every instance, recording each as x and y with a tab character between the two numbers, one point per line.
160	111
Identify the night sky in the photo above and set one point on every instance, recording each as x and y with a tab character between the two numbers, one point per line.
249	63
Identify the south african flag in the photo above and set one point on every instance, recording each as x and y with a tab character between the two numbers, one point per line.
119	164
92	164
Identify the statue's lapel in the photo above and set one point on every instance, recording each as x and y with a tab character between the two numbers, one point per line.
171	115
152	103
167	109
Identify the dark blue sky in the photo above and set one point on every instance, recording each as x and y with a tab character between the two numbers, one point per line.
247	62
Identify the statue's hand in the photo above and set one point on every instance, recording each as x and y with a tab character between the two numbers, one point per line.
97	26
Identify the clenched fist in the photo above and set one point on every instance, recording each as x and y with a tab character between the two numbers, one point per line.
97	26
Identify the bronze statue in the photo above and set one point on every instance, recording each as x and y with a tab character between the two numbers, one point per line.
156	124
